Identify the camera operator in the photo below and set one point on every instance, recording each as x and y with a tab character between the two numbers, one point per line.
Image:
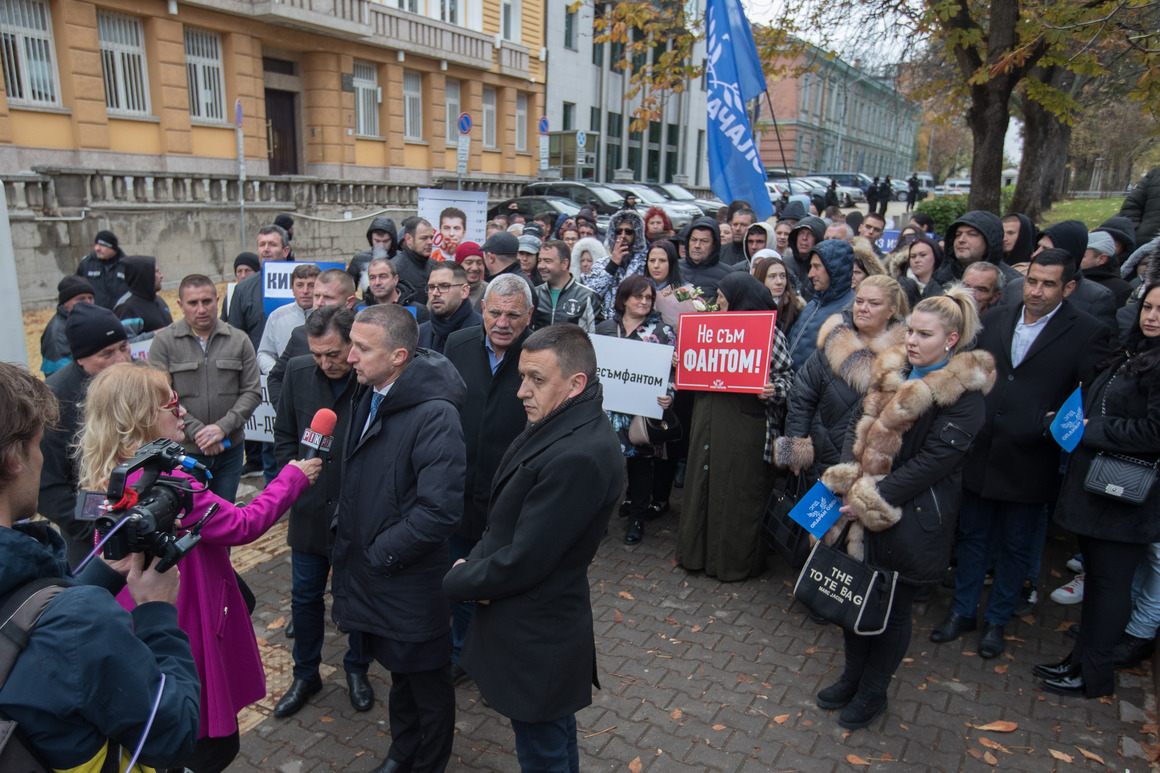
128	406
84	685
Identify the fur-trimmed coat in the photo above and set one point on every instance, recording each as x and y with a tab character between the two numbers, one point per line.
827	389
902	462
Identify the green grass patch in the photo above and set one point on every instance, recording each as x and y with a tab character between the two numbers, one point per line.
1091	212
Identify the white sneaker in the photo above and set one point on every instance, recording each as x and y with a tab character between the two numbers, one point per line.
1075	563
1072	593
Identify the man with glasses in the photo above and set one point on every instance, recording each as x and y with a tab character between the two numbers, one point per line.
447	291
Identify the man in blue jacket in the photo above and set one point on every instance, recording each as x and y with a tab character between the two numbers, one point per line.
830	273
85	683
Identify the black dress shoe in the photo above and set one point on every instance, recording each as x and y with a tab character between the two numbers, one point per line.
837	695
656	510
992	644
1130	650
1067	685
290	629
862	711
362	695
1060	670
393	766
296	697
635	532
625	508
954	626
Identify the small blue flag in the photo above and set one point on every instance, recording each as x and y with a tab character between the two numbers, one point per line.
817	511
1067	428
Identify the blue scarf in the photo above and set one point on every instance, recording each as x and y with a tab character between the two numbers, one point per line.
920	371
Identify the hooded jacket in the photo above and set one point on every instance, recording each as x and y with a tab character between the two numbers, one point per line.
991	227
606	275
837	257
106	276
770	239
798	264
1142	206
141	305
1122	230
1025	243
402	497
708	273
358	264
413	270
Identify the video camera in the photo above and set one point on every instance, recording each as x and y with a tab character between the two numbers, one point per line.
142	518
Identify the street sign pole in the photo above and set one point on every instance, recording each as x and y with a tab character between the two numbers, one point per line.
463	150
241	170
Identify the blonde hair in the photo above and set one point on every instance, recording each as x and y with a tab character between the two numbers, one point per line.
122	408
958	313
892	290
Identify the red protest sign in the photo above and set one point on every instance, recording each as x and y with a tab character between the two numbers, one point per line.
725	351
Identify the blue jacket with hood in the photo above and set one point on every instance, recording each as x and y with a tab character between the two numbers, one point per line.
838	258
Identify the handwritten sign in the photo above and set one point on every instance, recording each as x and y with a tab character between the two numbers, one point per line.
1067	427
725	351
633	374
817	511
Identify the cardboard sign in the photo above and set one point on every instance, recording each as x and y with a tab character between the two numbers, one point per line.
633	374
139	350
1067	427
278	285
725	351
260	427
434	202
817	511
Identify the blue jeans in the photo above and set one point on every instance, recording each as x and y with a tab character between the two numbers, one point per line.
547	747
269	465
308	584
1003	530
460	610
1146	595
226	469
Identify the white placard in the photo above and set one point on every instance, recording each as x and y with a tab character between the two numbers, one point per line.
543	151
633	373
140	349
433	202
462	151
278	284
260	427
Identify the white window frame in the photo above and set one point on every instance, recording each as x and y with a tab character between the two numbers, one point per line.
366	99
509	20
489	117
451	11
205	74
26	30
412	105
122	44
452	97
521	122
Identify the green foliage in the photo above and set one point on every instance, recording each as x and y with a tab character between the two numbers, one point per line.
944	210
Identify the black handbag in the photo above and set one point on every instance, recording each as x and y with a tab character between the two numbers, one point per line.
1115	476
783	535
845	590
644	431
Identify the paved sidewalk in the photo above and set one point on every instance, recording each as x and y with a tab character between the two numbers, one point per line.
699	675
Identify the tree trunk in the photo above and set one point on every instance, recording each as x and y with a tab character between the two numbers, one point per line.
988	120
1046	140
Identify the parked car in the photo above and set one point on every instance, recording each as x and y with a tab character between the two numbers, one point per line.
680	193
902	188
852	179
680	213
600	198
530	206
848	195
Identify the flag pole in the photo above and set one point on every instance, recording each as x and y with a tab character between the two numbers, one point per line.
777	133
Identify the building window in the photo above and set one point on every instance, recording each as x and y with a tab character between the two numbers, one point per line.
521	122
451	117
449	11
410	6
510	20
569	120
123	63
27	52
203	67
489	117
615	125
594	119
412	105
570	30
366	99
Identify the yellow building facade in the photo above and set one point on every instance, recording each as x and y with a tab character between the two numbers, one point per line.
335	89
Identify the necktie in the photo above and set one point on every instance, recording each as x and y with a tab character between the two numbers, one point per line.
376	401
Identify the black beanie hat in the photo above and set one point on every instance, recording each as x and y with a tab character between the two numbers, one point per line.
107	238
72	286
285	222
91	328
248	259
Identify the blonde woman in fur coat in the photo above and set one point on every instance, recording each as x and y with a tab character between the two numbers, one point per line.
900	481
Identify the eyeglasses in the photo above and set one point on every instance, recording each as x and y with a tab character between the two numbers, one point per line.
173	406
440	289
625	232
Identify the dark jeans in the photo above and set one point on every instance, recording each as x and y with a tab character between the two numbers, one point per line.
307	605
422	716
547	747
226	469
872	660
640	484
1107	606
1005	531
460	610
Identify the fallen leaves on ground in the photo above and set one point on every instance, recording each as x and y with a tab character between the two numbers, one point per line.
984	741
635	765
676	713
718	727
1000	726
1090	755
781	718
854	759
1061	756
276	624
626	595
990	758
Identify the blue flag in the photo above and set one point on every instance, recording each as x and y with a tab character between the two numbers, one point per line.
817	511
1067	428
734	76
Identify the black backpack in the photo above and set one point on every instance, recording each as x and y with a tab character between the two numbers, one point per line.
18	616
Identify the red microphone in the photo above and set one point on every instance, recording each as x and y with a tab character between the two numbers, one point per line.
318	437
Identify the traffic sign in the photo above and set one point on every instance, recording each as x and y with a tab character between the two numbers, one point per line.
464	123
238	112
581	139
462	151
543	124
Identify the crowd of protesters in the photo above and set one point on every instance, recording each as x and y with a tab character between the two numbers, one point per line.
917	383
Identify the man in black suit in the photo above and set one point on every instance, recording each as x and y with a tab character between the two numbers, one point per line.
1043	350
321	379
487	356
530	647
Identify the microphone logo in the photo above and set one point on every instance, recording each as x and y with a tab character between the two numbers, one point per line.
316	440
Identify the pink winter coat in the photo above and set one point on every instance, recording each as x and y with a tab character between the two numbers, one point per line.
210	607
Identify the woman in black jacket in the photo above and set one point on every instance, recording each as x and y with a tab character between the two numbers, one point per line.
835	377
1121	416
901	481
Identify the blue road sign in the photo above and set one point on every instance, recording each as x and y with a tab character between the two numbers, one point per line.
464	123
543	124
